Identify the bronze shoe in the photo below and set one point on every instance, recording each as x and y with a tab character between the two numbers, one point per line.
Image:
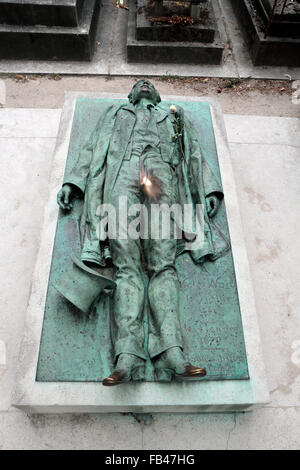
192	372
116	378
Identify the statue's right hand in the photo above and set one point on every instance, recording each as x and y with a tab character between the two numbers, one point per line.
64	197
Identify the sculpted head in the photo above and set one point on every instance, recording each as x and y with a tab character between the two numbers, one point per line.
144	89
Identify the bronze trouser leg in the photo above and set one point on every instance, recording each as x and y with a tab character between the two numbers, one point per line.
128	300
163	290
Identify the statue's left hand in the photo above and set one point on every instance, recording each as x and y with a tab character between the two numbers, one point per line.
212	205
64	197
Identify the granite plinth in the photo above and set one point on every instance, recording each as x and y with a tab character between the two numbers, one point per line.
277	51
209	396
38	42
180	52
41	12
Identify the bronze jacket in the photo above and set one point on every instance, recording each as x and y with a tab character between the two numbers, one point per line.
99	162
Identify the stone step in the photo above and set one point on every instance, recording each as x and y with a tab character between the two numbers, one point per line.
41	12
52	43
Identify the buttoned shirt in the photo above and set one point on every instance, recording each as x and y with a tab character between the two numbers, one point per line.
145	134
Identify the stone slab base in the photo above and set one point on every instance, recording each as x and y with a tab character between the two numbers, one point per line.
41	12
80	397
170	52
273	50
52	42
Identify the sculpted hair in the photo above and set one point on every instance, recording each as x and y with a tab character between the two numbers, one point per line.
132	97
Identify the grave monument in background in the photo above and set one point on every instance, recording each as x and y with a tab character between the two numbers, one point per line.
271	29
48	29
174	32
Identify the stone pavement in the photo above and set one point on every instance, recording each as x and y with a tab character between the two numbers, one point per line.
265	158
110	54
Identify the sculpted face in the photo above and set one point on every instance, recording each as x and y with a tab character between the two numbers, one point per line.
144	89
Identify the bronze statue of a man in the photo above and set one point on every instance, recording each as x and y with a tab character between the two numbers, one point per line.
150	154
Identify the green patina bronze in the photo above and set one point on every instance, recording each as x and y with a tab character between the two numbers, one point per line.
198	310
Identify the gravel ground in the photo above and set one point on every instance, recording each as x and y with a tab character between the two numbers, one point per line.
247	96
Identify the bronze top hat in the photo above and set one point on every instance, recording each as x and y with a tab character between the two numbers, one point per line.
82	285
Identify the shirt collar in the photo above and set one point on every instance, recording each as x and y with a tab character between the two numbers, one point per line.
145	103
